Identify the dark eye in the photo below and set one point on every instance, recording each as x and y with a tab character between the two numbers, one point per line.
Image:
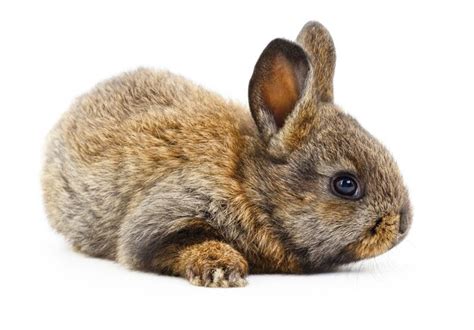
346	186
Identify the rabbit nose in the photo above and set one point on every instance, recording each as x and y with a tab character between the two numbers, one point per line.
404	222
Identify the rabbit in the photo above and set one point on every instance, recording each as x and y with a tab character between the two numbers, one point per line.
161	175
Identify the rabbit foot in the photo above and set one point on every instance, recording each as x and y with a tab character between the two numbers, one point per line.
217	278
215	264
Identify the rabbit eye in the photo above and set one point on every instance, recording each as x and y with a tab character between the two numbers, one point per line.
346	186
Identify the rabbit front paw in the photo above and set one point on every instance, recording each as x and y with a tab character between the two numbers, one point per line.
215	264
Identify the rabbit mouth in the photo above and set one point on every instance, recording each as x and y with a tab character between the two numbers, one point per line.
387	232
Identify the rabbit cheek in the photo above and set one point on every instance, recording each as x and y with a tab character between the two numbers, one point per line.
378	239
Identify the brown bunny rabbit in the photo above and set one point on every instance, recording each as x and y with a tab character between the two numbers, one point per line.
162	175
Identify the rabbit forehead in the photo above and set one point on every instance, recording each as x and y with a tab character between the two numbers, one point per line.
342	142
338	143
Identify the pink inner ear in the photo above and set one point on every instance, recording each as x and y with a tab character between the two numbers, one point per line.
280	89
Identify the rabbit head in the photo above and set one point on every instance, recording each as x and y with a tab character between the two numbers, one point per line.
334	193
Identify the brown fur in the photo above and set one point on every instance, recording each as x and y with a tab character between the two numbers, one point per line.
162	175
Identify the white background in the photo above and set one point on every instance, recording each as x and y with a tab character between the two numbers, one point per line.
405	70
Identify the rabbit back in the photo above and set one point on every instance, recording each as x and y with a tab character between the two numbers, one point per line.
125	136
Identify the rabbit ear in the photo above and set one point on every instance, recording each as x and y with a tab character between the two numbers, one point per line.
317	42
277	84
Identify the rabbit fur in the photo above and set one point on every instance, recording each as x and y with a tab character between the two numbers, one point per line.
162	175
